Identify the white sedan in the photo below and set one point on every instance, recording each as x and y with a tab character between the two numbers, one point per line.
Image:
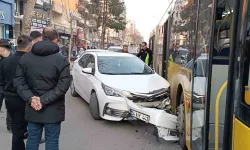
103	79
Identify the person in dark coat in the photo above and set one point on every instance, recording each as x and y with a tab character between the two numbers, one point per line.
42	80
14	103
5	48
36	36
145	54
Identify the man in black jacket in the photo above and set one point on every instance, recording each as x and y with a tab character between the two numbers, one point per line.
36	36
42	80
145	54
14	103
5	47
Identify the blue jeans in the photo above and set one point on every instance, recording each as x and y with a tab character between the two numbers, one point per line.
35	131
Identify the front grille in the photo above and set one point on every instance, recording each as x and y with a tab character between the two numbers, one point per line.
138	98
116	112
119	113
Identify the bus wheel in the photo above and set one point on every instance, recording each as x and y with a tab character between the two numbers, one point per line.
181	123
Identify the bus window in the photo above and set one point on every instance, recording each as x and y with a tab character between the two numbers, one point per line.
241	82
243	106
220	55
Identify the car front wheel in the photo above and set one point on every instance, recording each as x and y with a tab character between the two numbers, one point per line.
94	107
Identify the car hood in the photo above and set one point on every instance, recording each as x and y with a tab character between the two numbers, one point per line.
135	83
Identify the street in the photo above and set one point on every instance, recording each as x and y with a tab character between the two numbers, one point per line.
81	132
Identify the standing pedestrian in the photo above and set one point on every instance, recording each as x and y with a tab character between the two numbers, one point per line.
65	50
125	49
42	80
36	36
5	48
14	103
145	54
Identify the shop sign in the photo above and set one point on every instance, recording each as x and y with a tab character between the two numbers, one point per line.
75	15
6	13
67	30
64	37
60	29
40	2
2	15
80	35
40	15
39	19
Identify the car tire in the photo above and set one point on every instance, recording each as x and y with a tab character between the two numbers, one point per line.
181	123
72	89
94	107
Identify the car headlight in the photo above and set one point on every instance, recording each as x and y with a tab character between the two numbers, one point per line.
114	92
110	91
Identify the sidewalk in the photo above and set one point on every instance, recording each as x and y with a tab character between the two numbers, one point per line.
5	137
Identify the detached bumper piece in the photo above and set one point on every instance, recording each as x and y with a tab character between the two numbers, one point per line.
164	123
114	112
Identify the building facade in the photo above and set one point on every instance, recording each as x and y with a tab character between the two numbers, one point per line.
64	13
6	18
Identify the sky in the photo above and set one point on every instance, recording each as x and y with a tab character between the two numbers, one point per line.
146	14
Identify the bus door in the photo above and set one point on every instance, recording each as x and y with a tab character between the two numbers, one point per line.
237	125
210	74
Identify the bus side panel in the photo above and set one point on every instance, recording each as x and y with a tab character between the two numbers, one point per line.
241	136
176	79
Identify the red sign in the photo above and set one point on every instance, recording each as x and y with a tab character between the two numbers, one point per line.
80	35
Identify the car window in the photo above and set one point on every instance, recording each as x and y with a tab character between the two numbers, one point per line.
120	65
190	64
90	62
83	60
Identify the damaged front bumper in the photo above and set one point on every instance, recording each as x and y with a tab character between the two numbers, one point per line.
154	113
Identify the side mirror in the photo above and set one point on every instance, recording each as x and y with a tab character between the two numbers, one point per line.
88	70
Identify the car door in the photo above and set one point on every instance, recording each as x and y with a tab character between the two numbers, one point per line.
90	78
80	78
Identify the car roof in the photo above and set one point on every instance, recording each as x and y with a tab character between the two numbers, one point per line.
109	53
95	50
115	47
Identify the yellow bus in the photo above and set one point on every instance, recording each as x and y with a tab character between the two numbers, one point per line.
202	47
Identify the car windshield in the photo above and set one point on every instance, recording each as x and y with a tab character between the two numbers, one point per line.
114	49
120	65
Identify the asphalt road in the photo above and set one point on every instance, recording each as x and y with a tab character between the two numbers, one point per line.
81	132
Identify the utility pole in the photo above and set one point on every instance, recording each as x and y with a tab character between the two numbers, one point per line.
70	40
50	14
92	40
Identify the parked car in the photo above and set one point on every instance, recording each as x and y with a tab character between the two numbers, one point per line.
102	78
115	48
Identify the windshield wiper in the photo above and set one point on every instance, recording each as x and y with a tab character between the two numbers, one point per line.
110	73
